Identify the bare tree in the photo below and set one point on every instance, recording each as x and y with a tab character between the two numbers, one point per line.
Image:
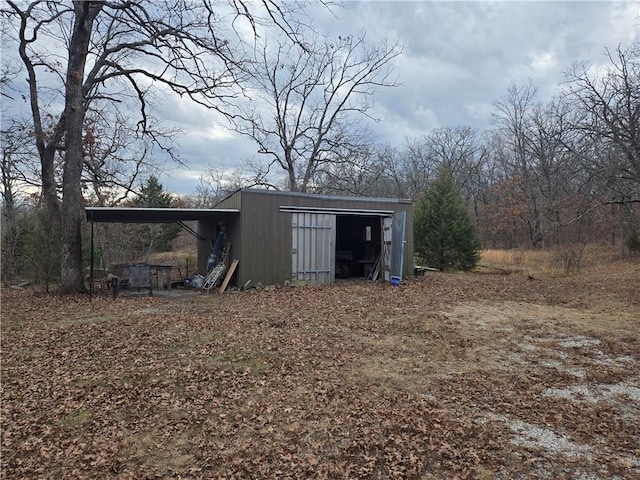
458	150
365	175
216	183
513	122
107	51
116	155
538	150
381	171
17	166
559	180
312	98
415	167
609	99
385	171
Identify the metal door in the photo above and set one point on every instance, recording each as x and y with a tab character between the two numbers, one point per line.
313	247
393	241
387	224
397	243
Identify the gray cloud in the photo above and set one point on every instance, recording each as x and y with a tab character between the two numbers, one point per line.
459	58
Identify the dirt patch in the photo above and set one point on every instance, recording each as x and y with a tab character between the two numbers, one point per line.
452	375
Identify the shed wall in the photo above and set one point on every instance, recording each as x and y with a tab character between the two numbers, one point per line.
266	249
234	199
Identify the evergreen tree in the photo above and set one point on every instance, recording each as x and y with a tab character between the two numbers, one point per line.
155	237
444	235
152	195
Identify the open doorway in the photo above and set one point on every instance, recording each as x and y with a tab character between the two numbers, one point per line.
358	245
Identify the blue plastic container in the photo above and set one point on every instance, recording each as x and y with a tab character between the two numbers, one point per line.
395	281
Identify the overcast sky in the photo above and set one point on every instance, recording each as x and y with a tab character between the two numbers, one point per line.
459	57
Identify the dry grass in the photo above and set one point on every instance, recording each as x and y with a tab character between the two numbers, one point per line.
555	262
517	259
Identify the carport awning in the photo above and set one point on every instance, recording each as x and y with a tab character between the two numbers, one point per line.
156	215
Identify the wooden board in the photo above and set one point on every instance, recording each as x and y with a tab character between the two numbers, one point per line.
227	278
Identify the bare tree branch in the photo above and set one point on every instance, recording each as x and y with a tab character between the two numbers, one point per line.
311	99
117	52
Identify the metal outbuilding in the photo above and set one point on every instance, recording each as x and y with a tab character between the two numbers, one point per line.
297	237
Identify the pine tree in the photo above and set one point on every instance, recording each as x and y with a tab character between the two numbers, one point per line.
152	195
159	237
445	238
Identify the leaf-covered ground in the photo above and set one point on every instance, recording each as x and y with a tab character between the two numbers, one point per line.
451	375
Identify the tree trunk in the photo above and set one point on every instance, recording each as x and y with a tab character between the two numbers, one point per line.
71	277
49	187
293	183
7	196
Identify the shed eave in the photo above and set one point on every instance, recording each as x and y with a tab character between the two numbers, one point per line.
337	211
155	215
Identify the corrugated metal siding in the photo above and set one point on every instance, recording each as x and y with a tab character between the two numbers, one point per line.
232	201
397	205
313	238
265	233
266	246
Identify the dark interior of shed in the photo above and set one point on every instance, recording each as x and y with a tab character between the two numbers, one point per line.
358	244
